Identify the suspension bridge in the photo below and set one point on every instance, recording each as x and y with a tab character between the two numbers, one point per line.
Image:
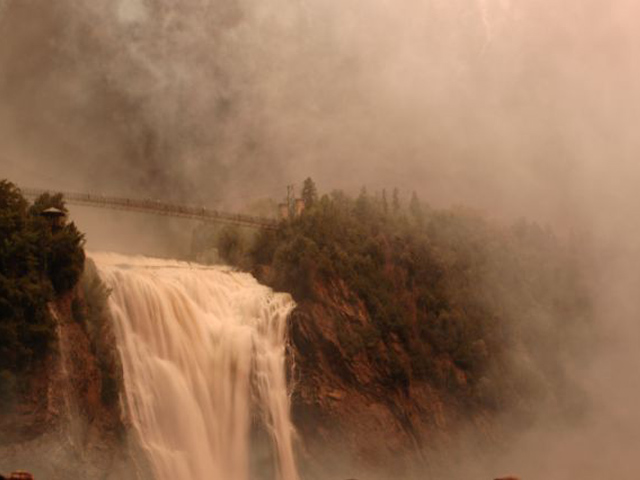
159	208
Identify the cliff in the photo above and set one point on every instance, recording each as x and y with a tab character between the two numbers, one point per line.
358	410
418	333
59	373
66	417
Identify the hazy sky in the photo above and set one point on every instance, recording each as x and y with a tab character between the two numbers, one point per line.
524	107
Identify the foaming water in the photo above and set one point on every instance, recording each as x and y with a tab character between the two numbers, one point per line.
203	354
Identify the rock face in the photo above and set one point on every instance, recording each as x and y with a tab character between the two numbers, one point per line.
355	414
64	420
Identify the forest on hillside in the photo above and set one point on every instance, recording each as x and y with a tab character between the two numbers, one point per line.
503	305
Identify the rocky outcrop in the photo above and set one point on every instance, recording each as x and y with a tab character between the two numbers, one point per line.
64	419
357	412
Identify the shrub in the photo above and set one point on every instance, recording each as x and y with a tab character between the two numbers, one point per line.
37	262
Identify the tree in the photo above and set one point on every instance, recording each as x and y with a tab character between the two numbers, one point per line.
47	200
63	248
363	204
231	245
66	258
415	207
396	201
385	204
35	264
309	193
26	328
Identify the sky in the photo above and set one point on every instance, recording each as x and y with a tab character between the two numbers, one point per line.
518	108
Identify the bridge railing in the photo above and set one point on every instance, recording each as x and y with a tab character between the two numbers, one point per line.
159	208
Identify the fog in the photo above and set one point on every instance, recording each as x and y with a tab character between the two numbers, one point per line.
520	108
476	102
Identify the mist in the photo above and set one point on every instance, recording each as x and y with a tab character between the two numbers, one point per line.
519	108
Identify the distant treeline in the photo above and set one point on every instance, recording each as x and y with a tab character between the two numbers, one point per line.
40	259
459	293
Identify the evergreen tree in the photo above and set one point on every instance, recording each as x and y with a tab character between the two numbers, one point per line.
36	263
415	207
449	289
396	201
385	204
309	193
363	204
47	200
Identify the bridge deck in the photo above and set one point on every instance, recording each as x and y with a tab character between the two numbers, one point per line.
159	208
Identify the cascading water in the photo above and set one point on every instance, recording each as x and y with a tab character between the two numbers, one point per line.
203	353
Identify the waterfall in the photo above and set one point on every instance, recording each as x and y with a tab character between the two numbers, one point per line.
203	357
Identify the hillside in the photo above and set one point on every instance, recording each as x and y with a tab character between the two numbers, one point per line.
414	323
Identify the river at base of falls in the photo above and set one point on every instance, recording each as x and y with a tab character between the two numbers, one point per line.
203	356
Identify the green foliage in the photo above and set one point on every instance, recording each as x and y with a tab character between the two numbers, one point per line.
95	294
396	200
37	262
385	203
296	262
232	245
66	258
415	207
309	193
95	318
454	290
47	200
229	244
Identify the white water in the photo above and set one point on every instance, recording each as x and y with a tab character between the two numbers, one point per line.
203	355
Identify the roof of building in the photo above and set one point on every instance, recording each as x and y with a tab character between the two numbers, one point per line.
53	212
